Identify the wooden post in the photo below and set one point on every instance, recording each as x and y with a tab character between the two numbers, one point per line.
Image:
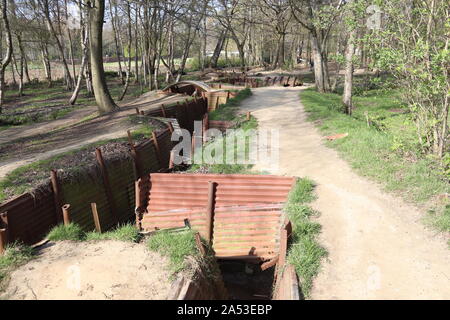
163	110
57	196
137	110
158	150
98	227
217	103
170	126
172	156
134	155
199	243
283	247
193	146
3	231
130	139
106	184
66	214
210	211
248	116
3	240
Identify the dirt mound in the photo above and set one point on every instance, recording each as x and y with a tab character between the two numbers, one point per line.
92	271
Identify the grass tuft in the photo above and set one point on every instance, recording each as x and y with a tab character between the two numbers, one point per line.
72	232
15	255
305	253
177	246
127	232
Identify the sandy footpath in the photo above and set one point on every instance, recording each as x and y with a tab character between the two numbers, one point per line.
378	247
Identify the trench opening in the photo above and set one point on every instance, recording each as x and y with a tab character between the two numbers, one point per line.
246	281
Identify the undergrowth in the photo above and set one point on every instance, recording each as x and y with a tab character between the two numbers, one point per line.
382	145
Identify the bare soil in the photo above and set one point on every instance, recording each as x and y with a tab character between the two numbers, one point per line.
103	270
378	246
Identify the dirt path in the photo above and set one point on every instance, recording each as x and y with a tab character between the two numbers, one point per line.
40	143
378	247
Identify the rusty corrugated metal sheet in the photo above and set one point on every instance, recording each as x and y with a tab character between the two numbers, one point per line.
30	217
173	191
247	215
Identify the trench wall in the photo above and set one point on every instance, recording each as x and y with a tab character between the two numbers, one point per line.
110	184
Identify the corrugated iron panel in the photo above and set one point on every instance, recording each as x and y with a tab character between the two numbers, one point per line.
30	217
172	191
247	214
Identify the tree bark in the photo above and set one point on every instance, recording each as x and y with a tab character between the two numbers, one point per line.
9	50
348	83
102	96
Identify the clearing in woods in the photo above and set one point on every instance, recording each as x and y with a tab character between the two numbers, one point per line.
377	246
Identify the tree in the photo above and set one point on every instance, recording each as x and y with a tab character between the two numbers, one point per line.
414	47
9	50
96	13
318	16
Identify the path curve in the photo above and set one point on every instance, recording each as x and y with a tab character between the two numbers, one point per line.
378	247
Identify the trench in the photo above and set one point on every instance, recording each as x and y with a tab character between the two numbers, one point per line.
246	281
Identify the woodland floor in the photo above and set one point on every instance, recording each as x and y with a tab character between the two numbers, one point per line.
378	247
26	144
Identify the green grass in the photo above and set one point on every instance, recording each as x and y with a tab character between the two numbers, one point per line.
177	246
73	232
229	110
14	256
305	253
386	151
126	232
39	96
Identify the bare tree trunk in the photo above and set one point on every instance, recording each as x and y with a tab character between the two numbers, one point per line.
348	83
218	49
47	65
127	80
58	42
84	44
102	96
116	41
9	50
320	68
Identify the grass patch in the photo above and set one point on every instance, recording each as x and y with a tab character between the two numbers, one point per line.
177	246
386	150
439	219
305	253
127	232
229	110
72	232
14	256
